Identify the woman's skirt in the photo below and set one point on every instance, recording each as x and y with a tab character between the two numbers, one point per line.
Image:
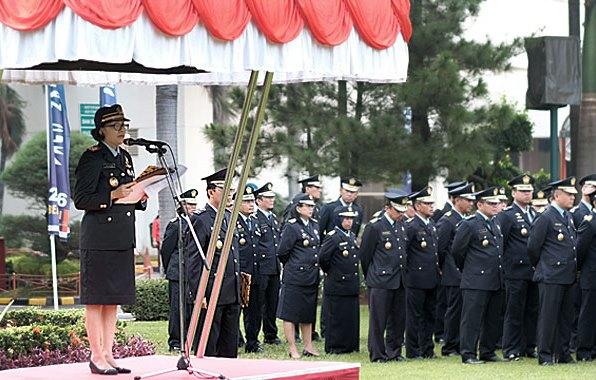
297	304
107	277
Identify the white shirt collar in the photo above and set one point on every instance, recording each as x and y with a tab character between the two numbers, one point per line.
587	204
391	221
526	209
425	220
114	151
267	213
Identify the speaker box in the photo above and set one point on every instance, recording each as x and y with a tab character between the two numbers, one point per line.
554	73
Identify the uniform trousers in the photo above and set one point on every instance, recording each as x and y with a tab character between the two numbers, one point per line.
223	336
554	322
174	316
521	316
387	319
452	320
269	294
586	327
420	321
252	317
481	318
440	311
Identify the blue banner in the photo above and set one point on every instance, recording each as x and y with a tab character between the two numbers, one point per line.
58	154
107	96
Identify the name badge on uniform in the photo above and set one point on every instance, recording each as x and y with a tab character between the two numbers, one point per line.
386	233
108	165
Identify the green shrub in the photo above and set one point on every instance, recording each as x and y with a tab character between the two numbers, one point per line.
152	301
35	316
41	265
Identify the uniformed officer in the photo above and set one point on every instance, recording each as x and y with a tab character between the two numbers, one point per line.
348	193
477	249
586	258
339	260
540	200
268	263
422	277
463	201
223	337
521	314
441	291
248	233
449	204
170	259
310	186
588	184
383	258
104	180
298	251
551	247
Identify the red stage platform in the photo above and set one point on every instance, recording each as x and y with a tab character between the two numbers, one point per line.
236	369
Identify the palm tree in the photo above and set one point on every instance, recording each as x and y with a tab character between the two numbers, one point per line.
12	128
166	111
586	155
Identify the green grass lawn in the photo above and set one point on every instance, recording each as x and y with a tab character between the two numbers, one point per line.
440	368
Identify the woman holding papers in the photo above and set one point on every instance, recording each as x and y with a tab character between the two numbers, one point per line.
103	176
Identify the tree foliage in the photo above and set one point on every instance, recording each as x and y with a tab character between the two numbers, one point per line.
27	175
455	129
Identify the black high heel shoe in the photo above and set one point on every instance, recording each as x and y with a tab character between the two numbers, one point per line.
101	371
122	370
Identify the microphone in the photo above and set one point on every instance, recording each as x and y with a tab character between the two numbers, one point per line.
152	146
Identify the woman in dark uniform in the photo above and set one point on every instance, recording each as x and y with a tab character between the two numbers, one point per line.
339	260
298	252
103	176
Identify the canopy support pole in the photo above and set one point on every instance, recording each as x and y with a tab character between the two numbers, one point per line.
192	328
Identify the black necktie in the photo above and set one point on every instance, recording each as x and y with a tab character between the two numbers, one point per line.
489	225
249	224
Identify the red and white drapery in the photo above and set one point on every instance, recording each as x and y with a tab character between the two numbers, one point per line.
298	39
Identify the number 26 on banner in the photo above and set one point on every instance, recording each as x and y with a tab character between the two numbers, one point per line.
61	199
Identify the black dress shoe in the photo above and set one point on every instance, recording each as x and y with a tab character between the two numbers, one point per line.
533	355
308	353
513	357
122	370
254	349
492	359
398	358
379	360
566	360
274	341
472	361
102	371
547	363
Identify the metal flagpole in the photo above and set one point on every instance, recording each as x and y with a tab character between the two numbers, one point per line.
52	236
193	324
230	231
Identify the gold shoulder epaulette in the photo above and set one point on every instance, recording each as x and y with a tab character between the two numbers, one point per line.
94	148
330	232
373	220
292	220
588	218
448	213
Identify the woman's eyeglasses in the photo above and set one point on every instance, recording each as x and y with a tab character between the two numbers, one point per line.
118	126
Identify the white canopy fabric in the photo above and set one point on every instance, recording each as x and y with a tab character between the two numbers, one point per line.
69	37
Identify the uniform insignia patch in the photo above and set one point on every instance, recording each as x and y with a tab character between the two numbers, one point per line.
588	218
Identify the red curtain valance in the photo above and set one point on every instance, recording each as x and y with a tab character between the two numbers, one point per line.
330	21
29	14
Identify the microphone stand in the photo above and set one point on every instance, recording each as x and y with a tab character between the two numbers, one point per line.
183	363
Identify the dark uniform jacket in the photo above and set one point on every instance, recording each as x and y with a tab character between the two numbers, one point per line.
105	225
339	260
202	222
477	250
169	250
383	254
423	261
327	222
446	227
248	239
299	252
586	252
268	243
579	212
439	213
551	247
515	227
